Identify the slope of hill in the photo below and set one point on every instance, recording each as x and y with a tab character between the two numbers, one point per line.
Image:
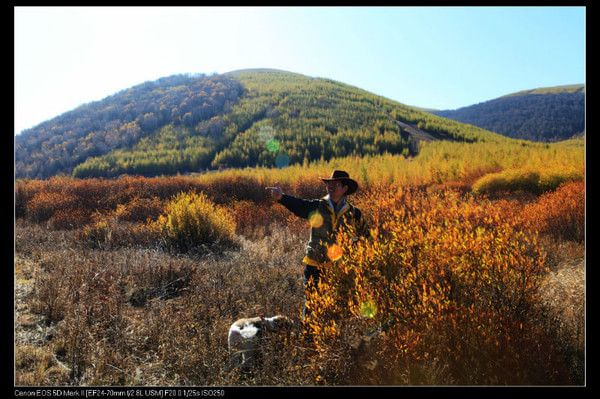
120	121
544	114
260	117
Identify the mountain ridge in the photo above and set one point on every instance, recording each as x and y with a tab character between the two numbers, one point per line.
543	114
572	88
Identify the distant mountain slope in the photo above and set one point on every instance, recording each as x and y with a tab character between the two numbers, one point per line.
120	121
260	117
544	114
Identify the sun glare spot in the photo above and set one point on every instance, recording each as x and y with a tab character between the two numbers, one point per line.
334	252
272	145
316	220
266	133
282	160
368	309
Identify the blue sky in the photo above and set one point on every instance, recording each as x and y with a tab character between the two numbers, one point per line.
433	57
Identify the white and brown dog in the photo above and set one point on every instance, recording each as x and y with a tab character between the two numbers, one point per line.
244	339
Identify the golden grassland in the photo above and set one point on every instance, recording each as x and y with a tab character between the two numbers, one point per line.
473	274
438	162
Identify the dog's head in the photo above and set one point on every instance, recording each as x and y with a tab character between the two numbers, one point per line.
279	323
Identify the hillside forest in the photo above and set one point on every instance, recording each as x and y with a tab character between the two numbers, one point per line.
184	124
548	115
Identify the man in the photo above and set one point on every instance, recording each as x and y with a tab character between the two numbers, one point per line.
326	216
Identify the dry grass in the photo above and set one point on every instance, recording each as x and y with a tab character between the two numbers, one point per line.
561	305
139	316
38	366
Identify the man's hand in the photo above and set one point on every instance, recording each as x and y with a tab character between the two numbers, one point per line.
276	192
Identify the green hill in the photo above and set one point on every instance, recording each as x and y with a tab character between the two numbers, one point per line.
543	114
260	117
121	122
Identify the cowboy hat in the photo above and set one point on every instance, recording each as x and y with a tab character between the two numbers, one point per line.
344	177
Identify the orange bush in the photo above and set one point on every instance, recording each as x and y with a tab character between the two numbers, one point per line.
24	192
560	213
139	209
99	194
44	204
125	188
433	258
68	218
251	217
105	232
38	200
223	189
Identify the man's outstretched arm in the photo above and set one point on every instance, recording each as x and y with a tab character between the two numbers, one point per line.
298	206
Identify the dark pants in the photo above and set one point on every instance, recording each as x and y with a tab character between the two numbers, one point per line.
310	273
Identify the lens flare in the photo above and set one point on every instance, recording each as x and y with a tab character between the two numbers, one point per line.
334	252
272	145
368	309
282	160
266	133
315	219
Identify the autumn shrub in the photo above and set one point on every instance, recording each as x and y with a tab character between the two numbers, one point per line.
63	195
222	188
107	232
91	194
309	185
535	181
440	295
560	213
44	204
192	221
511	180
264	278
561	307
34	198
255	220
445	277
126	188
69	218
25	189
88	301
139	209
51	291
98	234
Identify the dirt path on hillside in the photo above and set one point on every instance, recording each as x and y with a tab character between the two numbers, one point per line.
415	132
412	130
